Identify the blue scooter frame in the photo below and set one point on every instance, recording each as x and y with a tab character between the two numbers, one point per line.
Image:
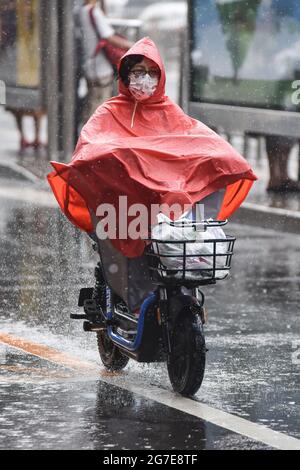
118	339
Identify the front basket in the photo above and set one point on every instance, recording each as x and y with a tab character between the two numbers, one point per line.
170	262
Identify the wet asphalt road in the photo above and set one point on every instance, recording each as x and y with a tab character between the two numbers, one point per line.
48	408
253	367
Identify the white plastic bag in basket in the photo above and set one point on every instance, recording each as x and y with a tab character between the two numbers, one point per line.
165	231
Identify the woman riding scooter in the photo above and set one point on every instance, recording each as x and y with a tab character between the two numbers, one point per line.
142	147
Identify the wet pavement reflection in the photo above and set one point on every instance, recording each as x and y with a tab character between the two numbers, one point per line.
46	407
252	336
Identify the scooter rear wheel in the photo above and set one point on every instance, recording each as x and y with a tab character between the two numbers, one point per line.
186	362
111	357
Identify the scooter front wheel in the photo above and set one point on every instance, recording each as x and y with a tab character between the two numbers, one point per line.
111	356
186	360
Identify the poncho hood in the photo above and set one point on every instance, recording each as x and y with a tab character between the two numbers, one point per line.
148	49
150	152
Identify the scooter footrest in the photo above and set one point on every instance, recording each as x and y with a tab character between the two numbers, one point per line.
85	294
90	327
75	316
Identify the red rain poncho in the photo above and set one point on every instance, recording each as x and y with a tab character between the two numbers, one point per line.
151	152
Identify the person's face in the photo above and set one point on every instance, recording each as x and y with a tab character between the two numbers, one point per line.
146	66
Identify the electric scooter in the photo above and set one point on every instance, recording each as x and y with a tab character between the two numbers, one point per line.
169	326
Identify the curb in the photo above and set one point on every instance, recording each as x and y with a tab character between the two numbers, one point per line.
19	171
268	217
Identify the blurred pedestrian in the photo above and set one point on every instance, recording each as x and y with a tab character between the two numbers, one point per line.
10	33
98	71
19	115
278	151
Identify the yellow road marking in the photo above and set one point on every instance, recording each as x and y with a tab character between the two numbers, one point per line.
49	354
37	371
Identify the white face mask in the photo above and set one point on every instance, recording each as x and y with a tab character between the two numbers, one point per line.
143	87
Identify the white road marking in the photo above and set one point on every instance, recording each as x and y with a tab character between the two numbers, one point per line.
256	432
220	418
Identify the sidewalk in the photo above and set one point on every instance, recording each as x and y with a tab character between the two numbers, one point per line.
269	210
32	166
263	209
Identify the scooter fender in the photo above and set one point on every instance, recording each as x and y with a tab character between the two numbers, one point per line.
179	303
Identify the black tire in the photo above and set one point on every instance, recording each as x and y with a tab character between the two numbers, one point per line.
111	357
186	362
